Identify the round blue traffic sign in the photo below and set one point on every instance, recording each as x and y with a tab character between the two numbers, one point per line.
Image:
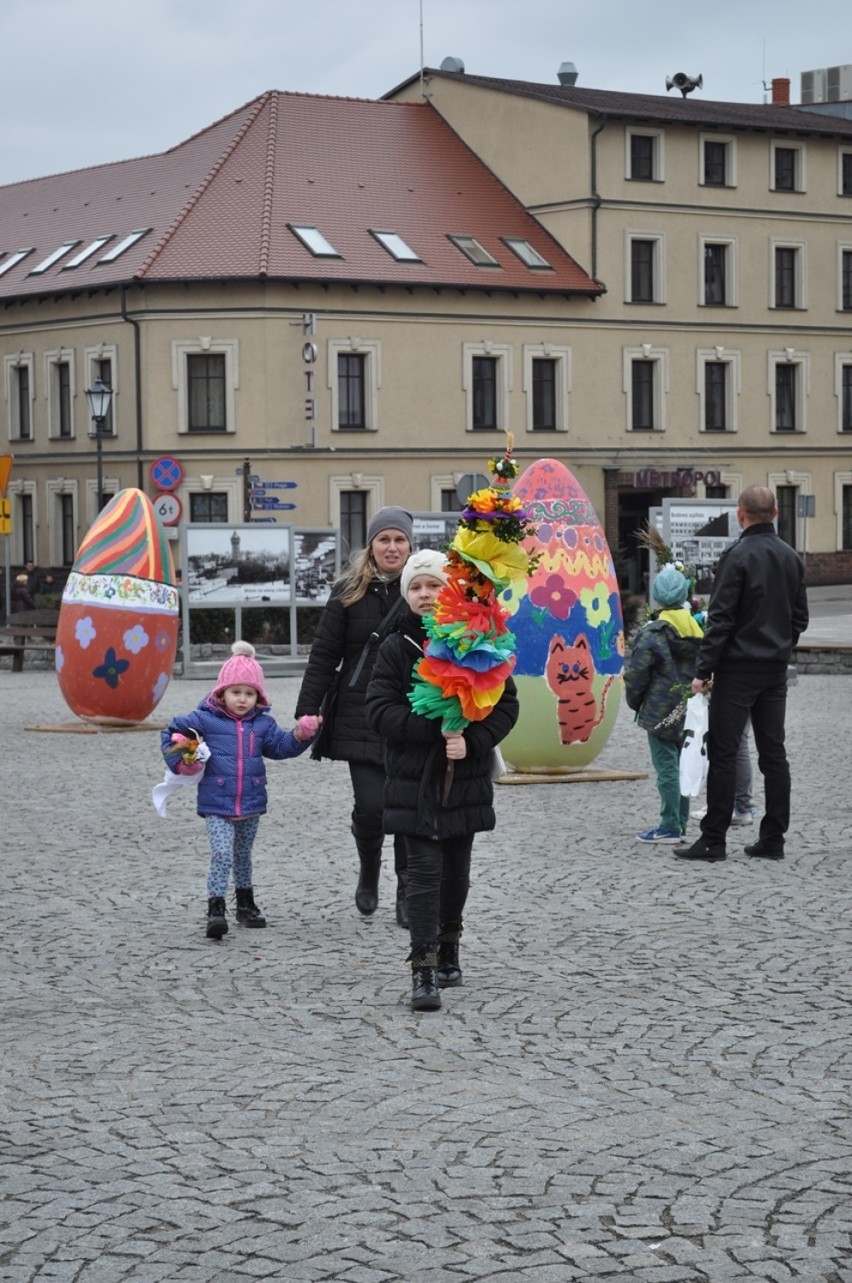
166	473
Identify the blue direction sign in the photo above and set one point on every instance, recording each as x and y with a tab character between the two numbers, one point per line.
263	502
273	485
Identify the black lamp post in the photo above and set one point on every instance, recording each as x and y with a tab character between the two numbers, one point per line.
99	397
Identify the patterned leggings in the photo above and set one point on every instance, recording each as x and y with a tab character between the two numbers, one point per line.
231	842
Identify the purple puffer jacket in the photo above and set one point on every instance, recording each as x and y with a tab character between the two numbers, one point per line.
234	780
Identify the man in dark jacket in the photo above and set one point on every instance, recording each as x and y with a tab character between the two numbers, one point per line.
758	610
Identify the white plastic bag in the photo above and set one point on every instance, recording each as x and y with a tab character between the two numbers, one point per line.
498	766
693	755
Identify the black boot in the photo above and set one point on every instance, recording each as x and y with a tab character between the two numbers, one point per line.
425	994
449	971
367	890
401	906
217	926
248	914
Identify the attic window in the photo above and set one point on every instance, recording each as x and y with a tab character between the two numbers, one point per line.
525	252
313	239
472	249
396	246
119	249
14	260
52	258
86	253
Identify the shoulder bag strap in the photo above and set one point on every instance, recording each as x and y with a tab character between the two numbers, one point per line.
373	638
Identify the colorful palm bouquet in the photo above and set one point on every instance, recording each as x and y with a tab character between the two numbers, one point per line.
470	649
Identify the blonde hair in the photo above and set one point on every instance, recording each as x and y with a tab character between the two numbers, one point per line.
359	573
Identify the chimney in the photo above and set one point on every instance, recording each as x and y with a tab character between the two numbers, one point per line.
780	92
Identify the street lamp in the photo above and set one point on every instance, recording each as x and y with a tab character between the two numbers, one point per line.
99	397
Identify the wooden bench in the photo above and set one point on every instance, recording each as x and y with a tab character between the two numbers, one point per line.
28	631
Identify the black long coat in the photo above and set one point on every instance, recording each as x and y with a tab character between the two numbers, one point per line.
415	749
342	634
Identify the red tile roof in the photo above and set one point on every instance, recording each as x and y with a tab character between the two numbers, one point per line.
662	109
218	205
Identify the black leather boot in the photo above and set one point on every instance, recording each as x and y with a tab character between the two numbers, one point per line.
449	971
217	925
248	914
425	994
367	890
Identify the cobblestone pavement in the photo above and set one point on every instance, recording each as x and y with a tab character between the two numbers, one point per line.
645	1076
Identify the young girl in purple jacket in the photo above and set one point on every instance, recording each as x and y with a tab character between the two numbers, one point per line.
235	724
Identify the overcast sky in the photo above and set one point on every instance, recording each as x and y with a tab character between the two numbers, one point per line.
84	82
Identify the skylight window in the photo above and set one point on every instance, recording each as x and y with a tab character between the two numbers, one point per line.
52	258
313	239
525	252
396	246
119	249
86	253
14	260
472	249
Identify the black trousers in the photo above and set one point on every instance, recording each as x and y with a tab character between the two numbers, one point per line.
739	693
368	788
438	883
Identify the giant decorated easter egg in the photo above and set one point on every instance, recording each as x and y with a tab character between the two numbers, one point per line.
117	634
569	628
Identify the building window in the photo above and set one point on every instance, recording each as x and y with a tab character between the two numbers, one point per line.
718	388
20	390
789	384
208	507
715	274
787	168
846	519
644	268
67	535
846	280
787	280
716	167
785	398
59	373
644	156
844	176
351	391
62	392
487	380
102	369
450	501
205	377
843	391
544	394
645	383
643	397
715	397
785	497
26	526
353	520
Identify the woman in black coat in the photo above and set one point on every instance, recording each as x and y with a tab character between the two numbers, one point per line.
439	790
344	650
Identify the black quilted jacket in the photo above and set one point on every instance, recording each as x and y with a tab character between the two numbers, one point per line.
340	639
415	756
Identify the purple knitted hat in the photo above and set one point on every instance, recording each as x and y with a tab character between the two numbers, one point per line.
242	669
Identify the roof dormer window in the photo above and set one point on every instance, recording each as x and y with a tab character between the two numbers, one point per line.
525	252
52	258
472	249
396	246
14	260
313	239
122	246
91	248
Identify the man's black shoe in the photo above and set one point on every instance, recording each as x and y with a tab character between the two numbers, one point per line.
700	850
765	850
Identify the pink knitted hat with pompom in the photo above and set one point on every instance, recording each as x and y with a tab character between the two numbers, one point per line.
242	669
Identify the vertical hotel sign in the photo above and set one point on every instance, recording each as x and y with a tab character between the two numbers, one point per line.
5	503
310	352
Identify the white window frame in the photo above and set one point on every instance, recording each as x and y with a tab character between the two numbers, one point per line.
503	354
371	350
841	361
373	485
660	357
841	479
659	166
730	142
732	359
789	356
562	357
205	346
801	248
658	266
16	490
21	360
103	352
732	298
800	182
53	489
60	356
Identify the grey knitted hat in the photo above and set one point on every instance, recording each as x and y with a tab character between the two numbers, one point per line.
391	519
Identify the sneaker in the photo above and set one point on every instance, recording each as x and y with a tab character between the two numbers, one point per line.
659	835
744	816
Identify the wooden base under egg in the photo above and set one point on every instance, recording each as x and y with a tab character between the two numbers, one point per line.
584	775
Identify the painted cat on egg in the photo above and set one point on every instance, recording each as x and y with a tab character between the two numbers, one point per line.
569	628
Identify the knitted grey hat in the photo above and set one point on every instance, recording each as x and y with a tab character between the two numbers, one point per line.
391	519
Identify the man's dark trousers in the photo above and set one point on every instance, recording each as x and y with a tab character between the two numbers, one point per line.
740	691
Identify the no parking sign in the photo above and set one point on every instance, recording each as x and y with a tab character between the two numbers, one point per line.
166	473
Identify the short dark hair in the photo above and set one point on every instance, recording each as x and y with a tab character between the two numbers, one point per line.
757	502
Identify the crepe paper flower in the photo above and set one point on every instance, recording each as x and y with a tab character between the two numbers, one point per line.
111	669
184	747
595	602
555	595
498	561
